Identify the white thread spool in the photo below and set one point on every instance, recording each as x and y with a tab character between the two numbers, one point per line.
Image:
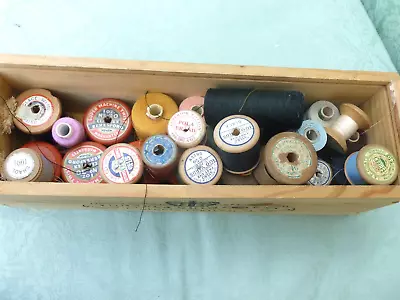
187	128
323	112
323	175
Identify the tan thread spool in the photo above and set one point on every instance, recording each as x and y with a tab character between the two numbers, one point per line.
261	174
233	179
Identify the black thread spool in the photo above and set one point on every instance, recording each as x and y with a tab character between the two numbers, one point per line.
356	142
237	140
274	111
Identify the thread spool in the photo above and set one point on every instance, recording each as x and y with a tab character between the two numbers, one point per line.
68	132
323	112
151	113
356	142
121	163
373	164
200	165
50	153
81	163
160	155
290	158
261	174
37	109
194	103
27	165
237	138
315	133
107	121
187	128
352	118
323	175
137	144
233	179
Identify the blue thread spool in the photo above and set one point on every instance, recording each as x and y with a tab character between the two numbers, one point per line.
315	133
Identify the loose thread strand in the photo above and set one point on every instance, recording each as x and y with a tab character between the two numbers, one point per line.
142	211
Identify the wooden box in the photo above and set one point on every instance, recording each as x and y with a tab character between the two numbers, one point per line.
78	82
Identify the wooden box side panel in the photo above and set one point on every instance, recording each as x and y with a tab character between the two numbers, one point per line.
5	139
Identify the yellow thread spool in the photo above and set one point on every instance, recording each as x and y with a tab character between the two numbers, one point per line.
151	113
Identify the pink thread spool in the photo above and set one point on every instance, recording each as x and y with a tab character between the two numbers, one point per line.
68	132
195	103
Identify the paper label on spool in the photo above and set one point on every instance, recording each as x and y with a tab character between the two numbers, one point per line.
121	165
323	175
111	111
236	131
186	127
20	165
379	164
84	161
169	150
201	167
303	157
35	110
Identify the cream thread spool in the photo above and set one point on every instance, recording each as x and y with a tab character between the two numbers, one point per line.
27	165
352	119
323	112
323	175
261	174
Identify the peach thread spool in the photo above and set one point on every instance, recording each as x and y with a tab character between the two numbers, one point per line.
194	103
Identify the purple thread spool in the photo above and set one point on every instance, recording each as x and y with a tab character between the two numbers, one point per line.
68	132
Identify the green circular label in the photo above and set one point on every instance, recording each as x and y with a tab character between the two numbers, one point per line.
379	164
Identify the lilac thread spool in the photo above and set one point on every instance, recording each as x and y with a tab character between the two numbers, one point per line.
68	132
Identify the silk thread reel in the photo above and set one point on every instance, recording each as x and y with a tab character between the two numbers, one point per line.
151	113
290	158
323	175
194	103
237	138
315	133
81	163
323	112
200	165
121	163
187	128
68	132
160	155
108	121
352	118
373	164
37	111
233	179
27	165
50	153
261	174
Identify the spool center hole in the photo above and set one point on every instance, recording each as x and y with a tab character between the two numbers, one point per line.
35	109
327	111
86	166
155	110
318	174
159	150
63	130
292	157
235	132
198	109
107	119
312	135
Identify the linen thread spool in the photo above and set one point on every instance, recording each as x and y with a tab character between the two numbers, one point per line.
261	174
200	165
233	179
290	158
27	165
37	110
373	164
237	138
160	155
50	153
81	163
315	133
68	132
351	119
121	163
323	175
323	112
187	128
108	121
194	103
151	113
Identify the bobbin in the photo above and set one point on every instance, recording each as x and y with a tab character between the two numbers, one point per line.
323	112
315	133
195	103
237	140
200	165
121	163
290	158
107	121
27	165
352	118
187	128
261	174
68	132
323	175
228	178
37	110
81	163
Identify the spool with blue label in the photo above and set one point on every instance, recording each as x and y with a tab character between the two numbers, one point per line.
160	155
315	133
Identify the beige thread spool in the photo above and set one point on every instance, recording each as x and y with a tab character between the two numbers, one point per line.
27	165
261	174
234	179
187	128
352	119
323	112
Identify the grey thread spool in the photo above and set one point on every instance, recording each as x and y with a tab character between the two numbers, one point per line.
323	112
323	175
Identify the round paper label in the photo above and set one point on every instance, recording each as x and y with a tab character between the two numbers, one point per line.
186	127
121	165
201	167
35	110
107	120
159	150
20	165
323	175
379	164
236	131
84	162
